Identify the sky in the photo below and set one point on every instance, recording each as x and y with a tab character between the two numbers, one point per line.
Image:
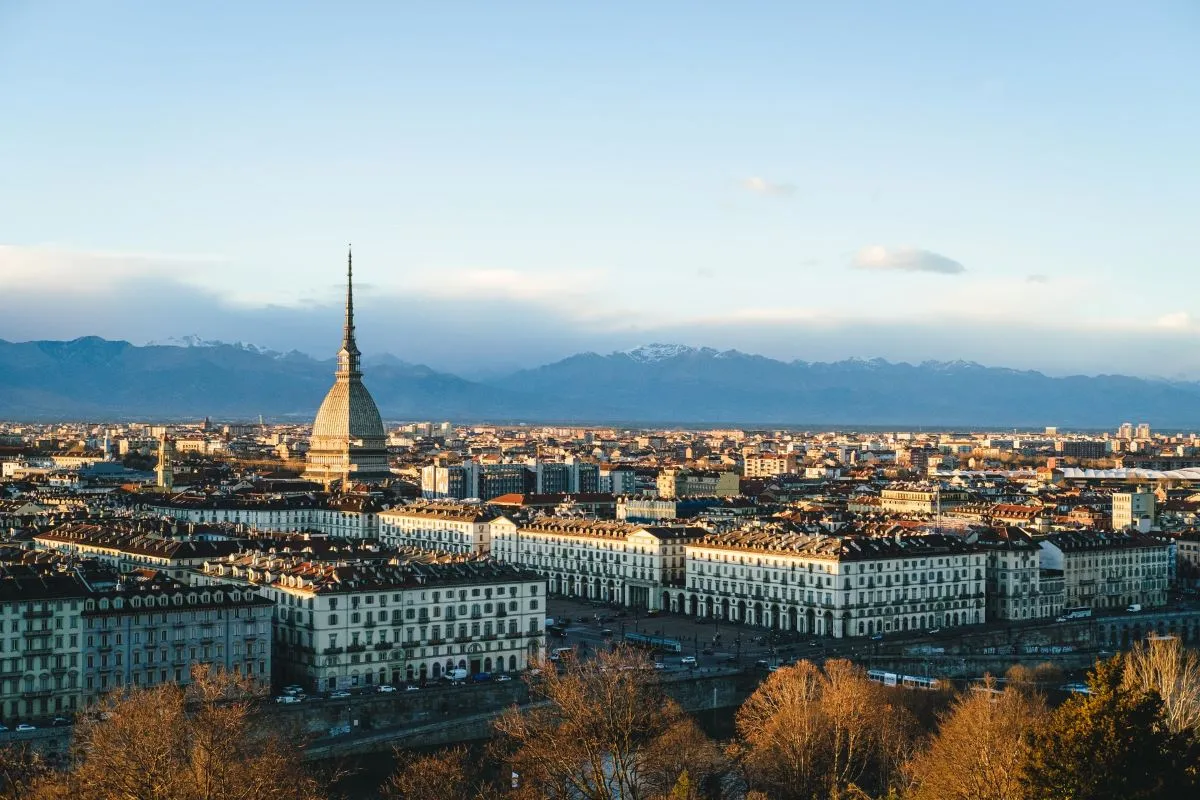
1013	183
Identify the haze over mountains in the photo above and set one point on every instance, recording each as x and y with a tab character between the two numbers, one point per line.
102	379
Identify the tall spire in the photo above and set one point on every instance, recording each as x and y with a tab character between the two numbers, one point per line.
348	356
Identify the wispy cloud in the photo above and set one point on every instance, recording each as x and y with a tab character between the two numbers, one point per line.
1178	320
1037	278
509	284
762	186
87	271
906	259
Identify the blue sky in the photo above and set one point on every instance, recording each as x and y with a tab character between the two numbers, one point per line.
1013	183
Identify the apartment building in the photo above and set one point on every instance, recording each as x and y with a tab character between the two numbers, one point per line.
632	565
40	668
1187	559
340	625
127	545
1109	570
683	482
1017	587
837	586
350	515
917	498
144	628
768	465
439	526
1133	510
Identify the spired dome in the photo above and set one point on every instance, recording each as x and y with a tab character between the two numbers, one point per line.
348	443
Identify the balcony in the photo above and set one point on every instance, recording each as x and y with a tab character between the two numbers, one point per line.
436	640
43	614
332	651
370	623
36	693
34	634
355	648
383	646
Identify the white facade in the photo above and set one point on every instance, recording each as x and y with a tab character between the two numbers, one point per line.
631	565
832	586
441	527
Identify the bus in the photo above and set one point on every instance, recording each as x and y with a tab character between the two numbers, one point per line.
1080	612
657	643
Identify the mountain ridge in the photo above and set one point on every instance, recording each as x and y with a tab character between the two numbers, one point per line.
96	377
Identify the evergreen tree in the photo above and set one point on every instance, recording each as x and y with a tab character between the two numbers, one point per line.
1111	744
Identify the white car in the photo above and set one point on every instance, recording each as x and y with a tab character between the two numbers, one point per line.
25	726
503	678
287	698
688	661
411	688
659	665
386	687
339	695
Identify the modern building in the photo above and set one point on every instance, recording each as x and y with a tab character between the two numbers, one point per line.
769	464
1133	510
837	586
631	565
348	443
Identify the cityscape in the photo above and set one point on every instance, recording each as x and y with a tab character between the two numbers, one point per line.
778	403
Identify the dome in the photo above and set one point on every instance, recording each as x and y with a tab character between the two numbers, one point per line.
348	413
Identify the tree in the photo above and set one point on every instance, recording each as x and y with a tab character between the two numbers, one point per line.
682	763
1164	667
1111	744
981	747
808	732
21	769
602	732
202	742
436	776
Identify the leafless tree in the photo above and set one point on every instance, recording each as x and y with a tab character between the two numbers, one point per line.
981	747
813	732
1165	667
171	743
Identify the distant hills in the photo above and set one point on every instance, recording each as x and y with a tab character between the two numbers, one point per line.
94	378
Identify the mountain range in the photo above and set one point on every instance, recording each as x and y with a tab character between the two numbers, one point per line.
94	378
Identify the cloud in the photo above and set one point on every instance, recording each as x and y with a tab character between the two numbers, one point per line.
508	284
29	267
906	259
768	188
1037	278
1178	320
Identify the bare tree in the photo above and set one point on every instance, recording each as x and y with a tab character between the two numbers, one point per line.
170	743
1165	667
594	737
808	732
981	747
436	776
21	769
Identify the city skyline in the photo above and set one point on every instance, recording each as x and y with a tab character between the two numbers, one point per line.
932	182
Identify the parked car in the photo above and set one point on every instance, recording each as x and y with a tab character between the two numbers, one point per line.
606	632
287	698
876	636
659	665
688	661
481	677
59	722
3	727
25	726
411	688
293	689
708	651
762	663
503	678
386	688
339	695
